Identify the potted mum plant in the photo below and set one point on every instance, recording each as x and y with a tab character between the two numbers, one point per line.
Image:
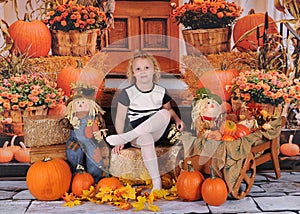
75	28
208	21
23	93
262	89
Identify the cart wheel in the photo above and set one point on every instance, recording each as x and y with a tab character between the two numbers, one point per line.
246	178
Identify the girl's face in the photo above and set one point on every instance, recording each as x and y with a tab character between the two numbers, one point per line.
143	70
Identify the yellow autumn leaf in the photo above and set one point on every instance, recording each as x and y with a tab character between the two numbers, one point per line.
138	205
151	198
69	197
72	203
107	198
88	193
130	193
160	193
153	208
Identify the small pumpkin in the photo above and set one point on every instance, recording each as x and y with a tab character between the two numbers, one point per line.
241	130
218	82
228	138
49	179
214	190
73	74
14	148
58	110
111	182
31	37
246	24
290	148
23	154
228	127
81	181
6	155
189	184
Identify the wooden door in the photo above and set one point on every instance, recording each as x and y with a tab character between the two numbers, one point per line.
143	25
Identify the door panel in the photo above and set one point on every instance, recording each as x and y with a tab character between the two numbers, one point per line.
143	25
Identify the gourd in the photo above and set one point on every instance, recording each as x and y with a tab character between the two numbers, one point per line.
73	74
218	81
189	184
23	154
247	23
81	181
6	155
290	148
32	38
111	182
49	179
12	146
214	190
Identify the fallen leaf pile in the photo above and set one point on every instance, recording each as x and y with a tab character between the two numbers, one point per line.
125	198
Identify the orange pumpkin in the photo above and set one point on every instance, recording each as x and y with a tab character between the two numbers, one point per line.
189	184
228	138
49	179
214	190
290	148
58	110
73	74
31	37
6	155
23	154
248	23
81	181
218	82
111	182
228	127
241	130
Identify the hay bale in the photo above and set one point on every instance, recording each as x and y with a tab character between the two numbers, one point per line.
43	130
129	164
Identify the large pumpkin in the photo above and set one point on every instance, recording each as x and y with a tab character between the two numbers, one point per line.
218	82
49	179
247	23
31	37
73	74
189	184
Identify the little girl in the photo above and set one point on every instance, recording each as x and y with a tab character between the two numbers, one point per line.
147	106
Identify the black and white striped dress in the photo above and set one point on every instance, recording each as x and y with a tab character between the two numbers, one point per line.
143	104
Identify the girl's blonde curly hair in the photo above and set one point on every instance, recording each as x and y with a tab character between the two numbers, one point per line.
145	55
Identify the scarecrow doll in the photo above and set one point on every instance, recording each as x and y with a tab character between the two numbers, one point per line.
85	145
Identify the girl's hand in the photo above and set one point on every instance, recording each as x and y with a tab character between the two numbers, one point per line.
180	125
117	149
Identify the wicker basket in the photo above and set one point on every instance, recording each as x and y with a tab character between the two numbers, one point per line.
207	41
74	43
17	125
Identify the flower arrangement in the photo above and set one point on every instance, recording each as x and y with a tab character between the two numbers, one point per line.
25	91
261	86
78	17
206	14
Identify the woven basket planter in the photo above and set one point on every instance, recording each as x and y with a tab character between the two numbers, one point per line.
17	125
74	43
207	41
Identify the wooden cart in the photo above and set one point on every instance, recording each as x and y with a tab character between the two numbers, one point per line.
258	155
